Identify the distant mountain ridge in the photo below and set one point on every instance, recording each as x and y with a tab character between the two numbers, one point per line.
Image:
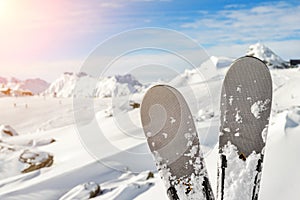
83	85
80	84
15	87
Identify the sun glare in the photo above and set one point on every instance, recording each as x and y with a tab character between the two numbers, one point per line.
4	8
3	4
10	11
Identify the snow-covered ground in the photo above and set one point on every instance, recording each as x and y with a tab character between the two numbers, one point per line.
46	133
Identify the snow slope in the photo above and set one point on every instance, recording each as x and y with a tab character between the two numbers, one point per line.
47	125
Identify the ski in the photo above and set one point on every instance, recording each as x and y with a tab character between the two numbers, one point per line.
245	110
173	140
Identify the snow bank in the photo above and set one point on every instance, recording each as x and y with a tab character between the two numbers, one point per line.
206	72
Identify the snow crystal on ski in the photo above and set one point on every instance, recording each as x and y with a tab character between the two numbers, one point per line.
181	183
239	174
264	134
258	107
238	117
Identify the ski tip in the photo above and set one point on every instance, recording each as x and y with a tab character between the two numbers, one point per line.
251	59
157	89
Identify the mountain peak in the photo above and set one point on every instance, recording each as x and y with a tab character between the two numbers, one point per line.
79	74
265	54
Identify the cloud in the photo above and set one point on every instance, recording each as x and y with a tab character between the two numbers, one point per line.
266	22
110	5
151	0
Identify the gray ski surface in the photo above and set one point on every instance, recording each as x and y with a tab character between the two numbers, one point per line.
173	140
245	110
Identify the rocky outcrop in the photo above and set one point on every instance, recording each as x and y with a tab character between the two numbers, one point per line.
34	160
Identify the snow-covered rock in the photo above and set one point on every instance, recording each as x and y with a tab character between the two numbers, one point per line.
82	191
40	142
265	54
108	112
7	131
34	160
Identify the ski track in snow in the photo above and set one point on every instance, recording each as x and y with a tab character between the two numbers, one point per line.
50	118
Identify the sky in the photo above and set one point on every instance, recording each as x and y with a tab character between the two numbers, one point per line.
46	38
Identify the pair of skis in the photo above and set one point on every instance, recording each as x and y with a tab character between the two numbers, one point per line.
172	137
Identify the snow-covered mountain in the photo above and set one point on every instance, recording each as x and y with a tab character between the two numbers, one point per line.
36	85
14	87
83	85
265	54
65	85
117	85
221	64
7	131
